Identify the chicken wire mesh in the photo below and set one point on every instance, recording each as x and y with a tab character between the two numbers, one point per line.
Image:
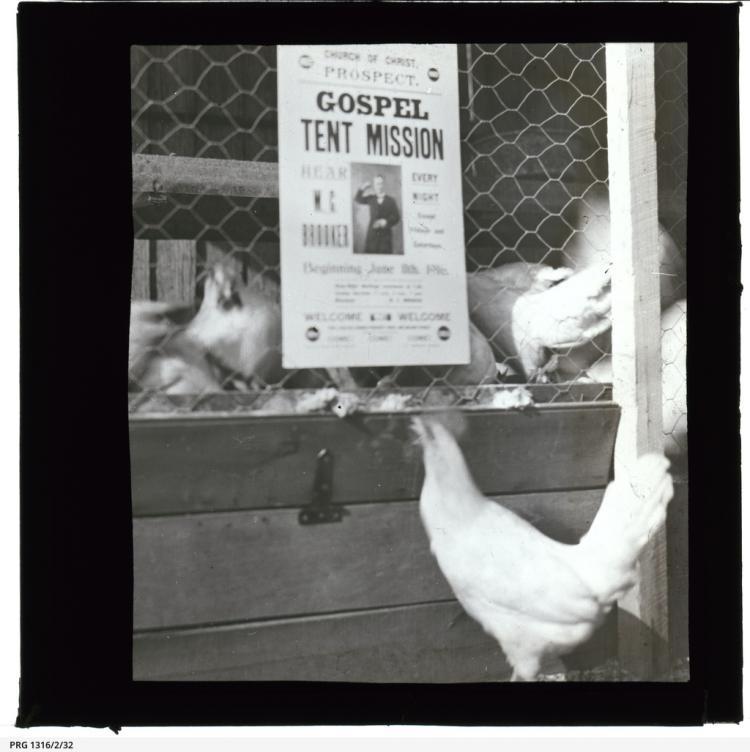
670	83
534	160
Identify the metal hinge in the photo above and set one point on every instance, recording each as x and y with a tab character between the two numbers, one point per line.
321	509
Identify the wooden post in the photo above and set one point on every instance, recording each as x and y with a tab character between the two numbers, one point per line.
140	287
175	270
636	331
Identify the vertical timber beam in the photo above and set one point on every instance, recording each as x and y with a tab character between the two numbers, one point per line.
175	270
140	287
636	331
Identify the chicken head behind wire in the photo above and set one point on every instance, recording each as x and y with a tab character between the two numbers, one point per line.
239	326
239	323
528	310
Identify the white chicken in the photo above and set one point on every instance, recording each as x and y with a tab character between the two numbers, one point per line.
239	324
162	355
234	340
528	310
537	597
149	324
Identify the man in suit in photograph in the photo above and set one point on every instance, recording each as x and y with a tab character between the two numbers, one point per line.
384	214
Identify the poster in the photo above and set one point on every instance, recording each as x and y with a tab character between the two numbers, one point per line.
371	212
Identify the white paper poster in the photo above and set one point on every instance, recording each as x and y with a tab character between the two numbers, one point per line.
371	212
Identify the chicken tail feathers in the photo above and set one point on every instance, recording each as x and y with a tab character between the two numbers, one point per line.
633	508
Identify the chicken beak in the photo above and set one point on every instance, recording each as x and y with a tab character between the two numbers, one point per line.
230	300
226	296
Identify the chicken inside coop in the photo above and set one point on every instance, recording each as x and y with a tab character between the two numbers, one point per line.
534	177
528	323
237	332
537	597
231	343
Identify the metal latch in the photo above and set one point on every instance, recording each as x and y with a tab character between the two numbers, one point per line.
321	509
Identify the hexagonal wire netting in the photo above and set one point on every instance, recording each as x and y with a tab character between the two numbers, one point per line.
534	160
671	148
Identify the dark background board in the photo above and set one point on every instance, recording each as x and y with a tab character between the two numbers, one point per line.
77	239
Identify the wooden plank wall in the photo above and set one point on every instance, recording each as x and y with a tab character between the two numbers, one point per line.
429	642
188	465
228	567
141	277
229	585
175	270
